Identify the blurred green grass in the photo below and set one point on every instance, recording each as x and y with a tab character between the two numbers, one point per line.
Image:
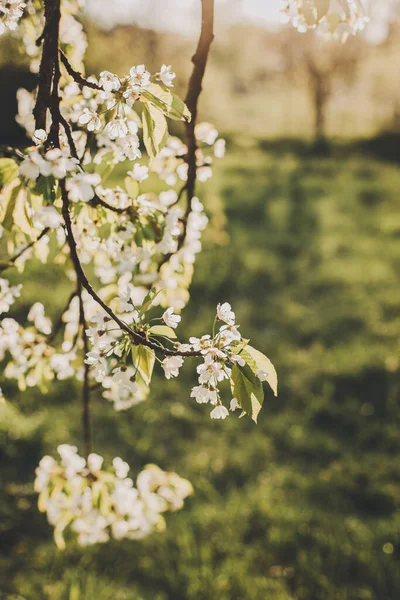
306	504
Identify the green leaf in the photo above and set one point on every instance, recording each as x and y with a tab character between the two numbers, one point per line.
8	202
263	363
144	359
44	186
247	390
132	187
20	214
8	171
163	330
155	130
179	107
168	102
148	301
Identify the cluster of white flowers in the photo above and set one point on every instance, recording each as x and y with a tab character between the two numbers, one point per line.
10	13
84	500
170	165
8	294
107	109
336	18
28	29
58	164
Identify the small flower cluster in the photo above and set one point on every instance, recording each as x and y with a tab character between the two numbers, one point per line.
330	18
107	109
8	295
58	164
224	351
27	30
170	165
10	13
93	504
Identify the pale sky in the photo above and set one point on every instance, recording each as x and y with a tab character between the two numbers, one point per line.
180	15
183	16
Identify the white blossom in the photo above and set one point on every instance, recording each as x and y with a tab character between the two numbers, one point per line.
219	148
80	187
48	216
234	405
206	133
121	467
167	76
117	128
203	394
139	78
237	359
171	366
139	173
8	294
170	318
225	313
219	412
39	136
91	119
109	81
11	11
210	372
41	322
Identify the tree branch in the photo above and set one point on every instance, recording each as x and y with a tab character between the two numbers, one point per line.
76	76
16	256
87	432
50	37
59	323
194	90
137	337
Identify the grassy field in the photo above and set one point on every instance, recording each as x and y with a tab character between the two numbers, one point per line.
306	504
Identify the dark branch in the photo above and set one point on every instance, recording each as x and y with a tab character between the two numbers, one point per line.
50	37
195	88
76	76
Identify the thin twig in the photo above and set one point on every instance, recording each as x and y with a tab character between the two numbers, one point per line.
76	76
199	61
194	90
60	321
97	201
24	249
87	432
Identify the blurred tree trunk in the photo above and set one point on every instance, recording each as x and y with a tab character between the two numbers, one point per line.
320	92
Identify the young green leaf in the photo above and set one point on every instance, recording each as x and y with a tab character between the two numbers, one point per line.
144	358
20	214
155	130
163	330
264	364
148	301
8	171
8	201
247	390
168	102
132	187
